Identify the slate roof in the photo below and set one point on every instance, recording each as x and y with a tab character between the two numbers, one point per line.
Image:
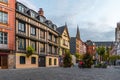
105	43
60	29
73	45
90	43
78	33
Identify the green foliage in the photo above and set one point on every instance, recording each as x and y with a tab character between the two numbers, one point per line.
30	51
67	60
87	59
78	56
114	57
101	51
101	65
107	54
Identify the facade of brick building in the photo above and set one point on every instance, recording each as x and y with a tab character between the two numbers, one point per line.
7	33
90	47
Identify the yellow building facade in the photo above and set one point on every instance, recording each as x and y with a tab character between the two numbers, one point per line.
64	40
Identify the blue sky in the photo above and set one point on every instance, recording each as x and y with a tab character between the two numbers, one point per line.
96	19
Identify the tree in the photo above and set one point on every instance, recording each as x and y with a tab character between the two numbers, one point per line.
78	56
67	59
101	52
30	51
87	59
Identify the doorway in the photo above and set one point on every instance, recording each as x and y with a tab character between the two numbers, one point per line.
4	62
42	61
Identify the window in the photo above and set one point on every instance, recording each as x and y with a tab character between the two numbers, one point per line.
3	38
42	34
42	19
42	47
65	43
3	17
33	44
21	8
50	49
55	50
5	1
21	44
50	36
21	26
50	61
55	39
33	60
22	59
33	14
55	61
33	31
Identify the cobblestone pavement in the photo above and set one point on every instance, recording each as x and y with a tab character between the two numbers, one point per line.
73	73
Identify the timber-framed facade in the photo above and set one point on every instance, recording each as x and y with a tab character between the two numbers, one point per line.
33	29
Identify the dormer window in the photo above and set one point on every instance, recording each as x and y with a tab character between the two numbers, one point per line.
42	19
21	8
5	1
54	27
33	15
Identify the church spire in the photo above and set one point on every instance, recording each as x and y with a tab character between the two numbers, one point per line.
78	33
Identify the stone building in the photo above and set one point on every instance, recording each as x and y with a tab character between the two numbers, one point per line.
116	49
117	33
33	29
7	33
76	44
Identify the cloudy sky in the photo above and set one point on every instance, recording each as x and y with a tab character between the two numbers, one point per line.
96	18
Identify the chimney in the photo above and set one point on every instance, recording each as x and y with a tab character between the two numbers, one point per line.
41	12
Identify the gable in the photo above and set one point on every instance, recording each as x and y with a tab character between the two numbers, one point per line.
65	33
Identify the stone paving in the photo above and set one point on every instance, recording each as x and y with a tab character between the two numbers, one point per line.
73	73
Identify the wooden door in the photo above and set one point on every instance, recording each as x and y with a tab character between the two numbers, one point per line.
42	61
4	62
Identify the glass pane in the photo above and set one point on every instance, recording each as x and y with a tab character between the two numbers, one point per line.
5	18
1	17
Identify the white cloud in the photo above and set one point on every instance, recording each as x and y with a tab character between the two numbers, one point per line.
29	4
92	16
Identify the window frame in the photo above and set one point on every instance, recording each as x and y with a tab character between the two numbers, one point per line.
32	31
24	43
22	61
33	60
50	61
55	61
31	42
21	8
21	26
2	38
42	34
50	36
4	1
3	17
42	49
